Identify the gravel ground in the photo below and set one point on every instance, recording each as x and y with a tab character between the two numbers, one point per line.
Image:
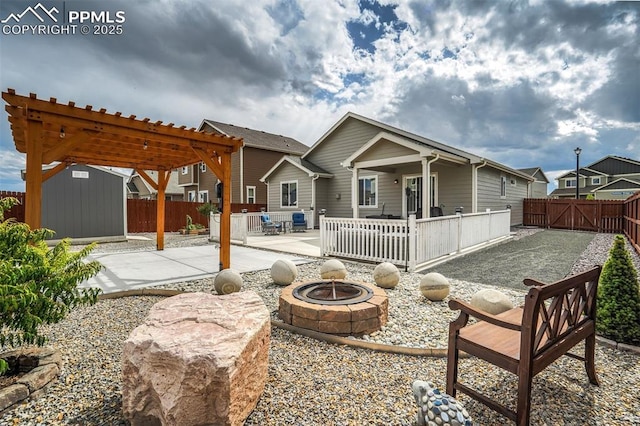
311	382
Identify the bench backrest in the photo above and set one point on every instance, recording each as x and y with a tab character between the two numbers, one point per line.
554	311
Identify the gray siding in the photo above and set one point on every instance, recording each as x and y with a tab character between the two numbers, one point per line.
538	190
343	142
454	187
81	208
385	149
489	193
286	173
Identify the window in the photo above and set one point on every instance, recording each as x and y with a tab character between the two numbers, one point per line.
570	183
251	194
503	187
288	194
203	167
185	170
191	196
596	181
367	187
203	196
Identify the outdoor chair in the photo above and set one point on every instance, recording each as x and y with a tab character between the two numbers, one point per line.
436	211
298	222
269	227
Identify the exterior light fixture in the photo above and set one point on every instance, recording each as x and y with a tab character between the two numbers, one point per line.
145	145
62	134
577	151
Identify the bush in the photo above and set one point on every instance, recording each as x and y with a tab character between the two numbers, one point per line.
618	309
38	285
207	208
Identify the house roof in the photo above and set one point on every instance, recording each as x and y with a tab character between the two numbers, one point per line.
51	166
258	138
172	185
132	188
610	165
621	183
417	140
533	171
304	165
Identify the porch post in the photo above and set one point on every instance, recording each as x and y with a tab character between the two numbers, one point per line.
354	193
33	202
426	188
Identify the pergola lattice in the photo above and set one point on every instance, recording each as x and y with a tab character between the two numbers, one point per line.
48	132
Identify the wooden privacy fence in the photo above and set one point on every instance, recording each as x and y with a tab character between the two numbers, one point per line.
578	215
412	243
632	220
141	215
16	211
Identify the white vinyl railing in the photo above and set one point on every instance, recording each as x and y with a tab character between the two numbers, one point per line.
412	242
243	224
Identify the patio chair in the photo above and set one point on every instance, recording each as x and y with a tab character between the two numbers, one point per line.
268	227
298	222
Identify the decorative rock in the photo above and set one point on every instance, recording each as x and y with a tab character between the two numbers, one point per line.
491	301
227	281
434	286
197	359
440	408
283	272
333	269
386	275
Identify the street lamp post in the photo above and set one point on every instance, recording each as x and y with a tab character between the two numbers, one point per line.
577	151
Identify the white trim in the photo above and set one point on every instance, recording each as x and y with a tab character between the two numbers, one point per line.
200	193
386	161
288	159
203	167
241	151
289	182
603	187
503	184
191	193
184	171
594	178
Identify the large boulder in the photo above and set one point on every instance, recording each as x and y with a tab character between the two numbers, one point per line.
492	301
283	272
197	359
434	286
386	275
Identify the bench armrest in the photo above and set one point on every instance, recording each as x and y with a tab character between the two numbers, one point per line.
530	282
467	310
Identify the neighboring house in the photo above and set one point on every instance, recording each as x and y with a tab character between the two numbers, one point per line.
139	188
610	178
362	167
538	188
261	150
85	202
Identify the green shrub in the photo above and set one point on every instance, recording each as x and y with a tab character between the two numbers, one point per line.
38	284
618	309
207	208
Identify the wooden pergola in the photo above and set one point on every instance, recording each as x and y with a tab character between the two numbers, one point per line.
48	132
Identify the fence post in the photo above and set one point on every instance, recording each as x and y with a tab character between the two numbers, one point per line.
323	237
459	214
244	226
413	255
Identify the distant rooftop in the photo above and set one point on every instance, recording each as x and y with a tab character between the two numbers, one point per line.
259	138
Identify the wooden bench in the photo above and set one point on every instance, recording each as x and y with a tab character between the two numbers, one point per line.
525	340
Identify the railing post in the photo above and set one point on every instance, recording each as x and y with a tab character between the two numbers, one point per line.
459	214
323	237
244	226
412	243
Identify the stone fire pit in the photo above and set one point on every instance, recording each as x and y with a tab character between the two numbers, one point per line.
334	306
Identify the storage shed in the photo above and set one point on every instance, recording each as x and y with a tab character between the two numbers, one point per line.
85	202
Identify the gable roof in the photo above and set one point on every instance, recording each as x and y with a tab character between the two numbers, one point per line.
416	140
533	171
621	183
172	185
257	138
615	165
304	165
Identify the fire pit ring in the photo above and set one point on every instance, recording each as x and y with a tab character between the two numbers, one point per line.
357	309
333	292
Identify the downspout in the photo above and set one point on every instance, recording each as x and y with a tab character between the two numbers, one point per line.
242	176
474	187
426	187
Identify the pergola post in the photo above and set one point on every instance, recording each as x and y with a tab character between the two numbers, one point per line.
225	217
33	202
163	179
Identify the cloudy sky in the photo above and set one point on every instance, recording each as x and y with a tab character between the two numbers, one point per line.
522	83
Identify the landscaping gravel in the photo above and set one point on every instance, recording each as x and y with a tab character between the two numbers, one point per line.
311	382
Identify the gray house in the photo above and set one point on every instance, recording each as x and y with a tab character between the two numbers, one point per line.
539	187
362	167
85	202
